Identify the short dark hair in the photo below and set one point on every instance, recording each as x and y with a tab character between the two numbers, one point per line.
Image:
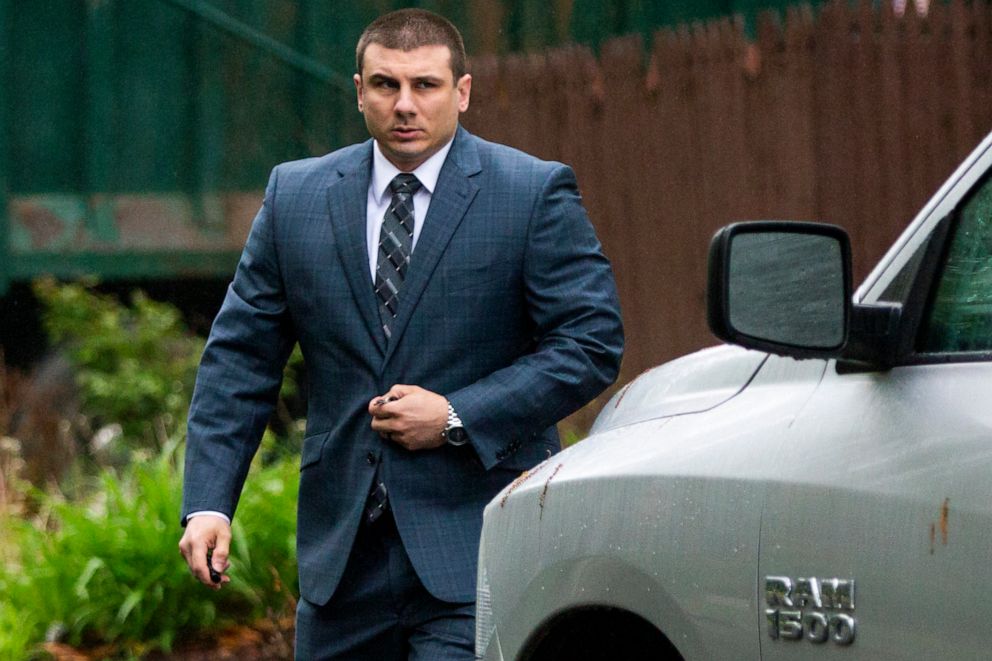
407	29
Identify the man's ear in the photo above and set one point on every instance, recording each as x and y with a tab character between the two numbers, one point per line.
359	90
464	87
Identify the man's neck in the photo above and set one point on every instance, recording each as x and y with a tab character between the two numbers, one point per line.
428	172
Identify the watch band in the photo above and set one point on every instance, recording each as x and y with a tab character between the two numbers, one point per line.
454	433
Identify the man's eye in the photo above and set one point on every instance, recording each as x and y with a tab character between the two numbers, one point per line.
425	84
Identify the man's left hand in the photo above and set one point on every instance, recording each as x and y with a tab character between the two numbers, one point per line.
411	416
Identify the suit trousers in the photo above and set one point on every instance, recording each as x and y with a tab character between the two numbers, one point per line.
381	611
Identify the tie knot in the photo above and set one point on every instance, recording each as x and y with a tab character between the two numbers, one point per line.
404	184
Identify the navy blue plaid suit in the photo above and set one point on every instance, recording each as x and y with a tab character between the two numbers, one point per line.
509	309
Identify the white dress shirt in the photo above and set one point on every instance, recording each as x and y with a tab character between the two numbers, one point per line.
379	197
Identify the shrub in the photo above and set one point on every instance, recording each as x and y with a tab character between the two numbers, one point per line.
17	631
108	571
135	366
102	568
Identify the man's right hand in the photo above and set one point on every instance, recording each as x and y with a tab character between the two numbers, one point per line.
203	533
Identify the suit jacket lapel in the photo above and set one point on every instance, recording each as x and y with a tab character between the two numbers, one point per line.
346	202
452	196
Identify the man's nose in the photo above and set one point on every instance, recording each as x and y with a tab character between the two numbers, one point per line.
404	101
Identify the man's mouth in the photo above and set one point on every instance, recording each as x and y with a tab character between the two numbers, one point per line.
405	131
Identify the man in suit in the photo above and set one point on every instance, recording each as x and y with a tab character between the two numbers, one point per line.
452	303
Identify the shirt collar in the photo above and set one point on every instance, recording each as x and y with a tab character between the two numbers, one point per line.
383	171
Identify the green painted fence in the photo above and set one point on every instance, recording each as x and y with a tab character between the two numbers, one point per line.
136	135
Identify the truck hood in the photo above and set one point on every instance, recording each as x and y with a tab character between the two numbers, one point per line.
690	384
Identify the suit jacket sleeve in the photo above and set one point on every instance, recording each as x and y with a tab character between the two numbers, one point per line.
240	373
578	334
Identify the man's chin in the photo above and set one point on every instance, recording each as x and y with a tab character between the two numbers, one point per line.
406	155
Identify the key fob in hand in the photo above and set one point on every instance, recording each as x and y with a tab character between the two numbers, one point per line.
214	574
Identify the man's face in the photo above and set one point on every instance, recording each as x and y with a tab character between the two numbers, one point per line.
411	101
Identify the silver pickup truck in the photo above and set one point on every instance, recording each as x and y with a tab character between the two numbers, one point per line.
823	489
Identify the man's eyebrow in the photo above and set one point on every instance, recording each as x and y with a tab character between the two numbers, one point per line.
424	78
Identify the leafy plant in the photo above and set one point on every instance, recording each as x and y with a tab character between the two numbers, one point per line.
17	632
135	366
101	569
264	540
107	570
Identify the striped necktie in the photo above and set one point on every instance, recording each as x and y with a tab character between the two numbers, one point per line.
395	247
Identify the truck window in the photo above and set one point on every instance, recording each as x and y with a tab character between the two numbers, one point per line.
960	316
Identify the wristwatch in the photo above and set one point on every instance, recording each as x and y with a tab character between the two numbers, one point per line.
454	433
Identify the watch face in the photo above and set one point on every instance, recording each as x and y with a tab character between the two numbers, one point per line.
457	436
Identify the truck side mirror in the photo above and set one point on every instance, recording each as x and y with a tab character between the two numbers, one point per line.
783	287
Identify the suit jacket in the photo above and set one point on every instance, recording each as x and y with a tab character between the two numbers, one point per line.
509	309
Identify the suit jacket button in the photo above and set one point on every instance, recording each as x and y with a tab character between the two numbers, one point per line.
370	457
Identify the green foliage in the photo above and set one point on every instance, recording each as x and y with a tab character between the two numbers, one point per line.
102	568
108	570
17	631
135	366
570	436
264	532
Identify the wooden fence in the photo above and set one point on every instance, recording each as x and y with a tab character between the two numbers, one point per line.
853	116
